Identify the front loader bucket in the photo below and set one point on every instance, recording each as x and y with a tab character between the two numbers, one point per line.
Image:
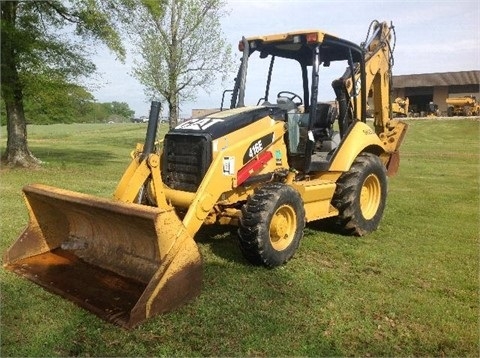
123	262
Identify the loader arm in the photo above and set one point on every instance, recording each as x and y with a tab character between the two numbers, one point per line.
135	180
145	165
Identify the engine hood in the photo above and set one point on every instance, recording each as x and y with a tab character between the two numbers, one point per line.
221	123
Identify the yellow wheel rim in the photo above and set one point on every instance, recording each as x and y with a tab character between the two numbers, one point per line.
370	196
283	227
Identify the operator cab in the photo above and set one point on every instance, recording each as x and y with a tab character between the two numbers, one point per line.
318	115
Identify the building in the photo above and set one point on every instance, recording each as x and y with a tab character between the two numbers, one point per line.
421	89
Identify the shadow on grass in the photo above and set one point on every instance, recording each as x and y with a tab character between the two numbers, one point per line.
84	157
327	225
222	242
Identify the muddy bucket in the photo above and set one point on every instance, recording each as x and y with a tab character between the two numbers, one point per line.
124	262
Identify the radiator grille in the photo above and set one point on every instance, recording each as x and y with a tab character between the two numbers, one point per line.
186	160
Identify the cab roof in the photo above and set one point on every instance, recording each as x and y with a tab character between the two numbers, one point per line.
299	45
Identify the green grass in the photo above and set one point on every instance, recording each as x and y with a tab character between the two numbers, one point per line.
409	289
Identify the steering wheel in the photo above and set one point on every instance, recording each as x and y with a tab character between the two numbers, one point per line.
291	97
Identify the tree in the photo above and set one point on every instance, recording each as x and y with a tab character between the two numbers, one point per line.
34	42
182	49
50	100
122	109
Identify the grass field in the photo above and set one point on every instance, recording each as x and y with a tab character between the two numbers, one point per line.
409	289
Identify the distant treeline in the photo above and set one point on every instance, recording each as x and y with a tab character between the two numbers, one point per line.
72	105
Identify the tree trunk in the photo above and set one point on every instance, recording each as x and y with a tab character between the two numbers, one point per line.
172	97
17	152
173	111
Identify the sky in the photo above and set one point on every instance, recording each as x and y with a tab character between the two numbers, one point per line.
431	36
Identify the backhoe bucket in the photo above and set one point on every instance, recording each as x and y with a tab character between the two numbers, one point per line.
124	262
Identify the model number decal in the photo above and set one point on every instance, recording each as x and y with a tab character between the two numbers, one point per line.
257	146
255	149
199	124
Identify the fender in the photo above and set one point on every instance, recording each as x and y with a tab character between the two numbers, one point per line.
360	137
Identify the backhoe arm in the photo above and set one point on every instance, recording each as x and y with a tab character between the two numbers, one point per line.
378	69
378	66
378	63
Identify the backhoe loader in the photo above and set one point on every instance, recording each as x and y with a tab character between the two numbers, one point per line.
268	168
400	107
462	106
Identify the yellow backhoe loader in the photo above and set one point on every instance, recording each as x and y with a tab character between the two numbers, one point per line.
400	107
463	106
268	168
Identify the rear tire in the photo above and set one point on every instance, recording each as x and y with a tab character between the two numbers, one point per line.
360	196
272	225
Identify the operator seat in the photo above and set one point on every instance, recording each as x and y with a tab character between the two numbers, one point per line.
322	128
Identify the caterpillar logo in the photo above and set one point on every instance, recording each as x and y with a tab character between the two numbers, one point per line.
257	146
199	124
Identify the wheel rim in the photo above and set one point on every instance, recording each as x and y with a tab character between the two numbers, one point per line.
282	227
370	196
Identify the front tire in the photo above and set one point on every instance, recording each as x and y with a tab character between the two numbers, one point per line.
272	225
360	196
